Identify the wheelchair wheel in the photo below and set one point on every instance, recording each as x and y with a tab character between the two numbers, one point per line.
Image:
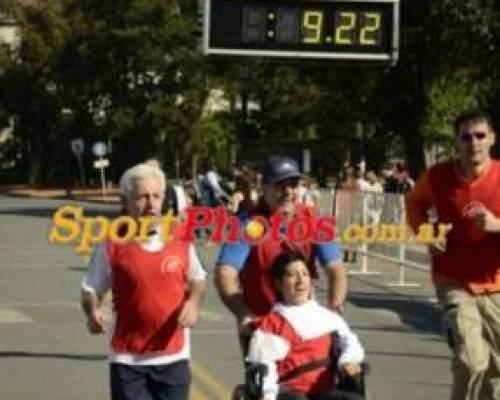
239	393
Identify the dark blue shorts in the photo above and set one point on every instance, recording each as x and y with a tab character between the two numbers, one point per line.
152	382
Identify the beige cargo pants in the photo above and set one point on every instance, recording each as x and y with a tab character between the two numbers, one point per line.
473	327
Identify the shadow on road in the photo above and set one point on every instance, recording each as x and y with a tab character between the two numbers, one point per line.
381	328
79	268
409	355
414	313
64	356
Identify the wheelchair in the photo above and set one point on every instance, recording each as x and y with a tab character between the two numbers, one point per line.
346	386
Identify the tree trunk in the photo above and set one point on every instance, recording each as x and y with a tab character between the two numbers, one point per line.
35	160
415	152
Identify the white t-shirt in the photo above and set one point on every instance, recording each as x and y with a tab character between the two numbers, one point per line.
98	280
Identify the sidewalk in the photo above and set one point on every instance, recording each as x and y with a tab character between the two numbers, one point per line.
92	195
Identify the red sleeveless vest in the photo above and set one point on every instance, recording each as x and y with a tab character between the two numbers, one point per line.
149	289
255	278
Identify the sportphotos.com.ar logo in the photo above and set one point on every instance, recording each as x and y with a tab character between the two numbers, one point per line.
71	226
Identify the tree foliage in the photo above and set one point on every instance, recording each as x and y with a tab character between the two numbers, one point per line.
127	70
131	71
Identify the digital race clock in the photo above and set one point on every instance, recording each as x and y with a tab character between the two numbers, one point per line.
330	29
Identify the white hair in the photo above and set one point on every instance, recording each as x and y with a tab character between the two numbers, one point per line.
141	171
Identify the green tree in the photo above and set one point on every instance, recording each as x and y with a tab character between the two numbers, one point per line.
133	67
439	53
29	91
128	71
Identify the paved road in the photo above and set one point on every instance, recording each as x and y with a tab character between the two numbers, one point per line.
45	352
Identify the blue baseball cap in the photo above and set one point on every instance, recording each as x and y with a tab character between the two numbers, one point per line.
279	168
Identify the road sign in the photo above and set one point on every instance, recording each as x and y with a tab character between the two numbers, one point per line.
101	163
315	29
99	149
77	147
306	161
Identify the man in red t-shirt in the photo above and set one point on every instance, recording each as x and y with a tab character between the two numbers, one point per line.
157	292
465	193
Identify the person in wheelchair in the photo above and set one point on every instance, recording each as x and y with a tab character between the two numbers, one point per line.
300	350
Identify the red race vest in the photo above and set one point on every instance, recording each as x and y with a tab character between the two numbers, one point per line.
149	289
255	278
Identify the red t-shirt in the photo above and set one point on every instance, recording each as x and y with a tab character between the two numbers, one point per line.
472	256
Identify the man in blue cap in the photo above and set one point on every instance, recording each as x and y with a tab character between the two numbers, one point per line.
242	274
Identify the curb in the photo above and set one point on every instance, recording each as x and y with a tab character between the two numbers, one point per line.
91	195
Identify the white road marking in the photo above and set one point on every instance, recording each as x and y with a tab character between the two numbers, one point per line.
41	304
206	315
12	316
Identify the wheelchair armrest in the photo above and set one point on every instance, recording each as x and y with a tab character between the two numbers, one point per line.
356	383
254	380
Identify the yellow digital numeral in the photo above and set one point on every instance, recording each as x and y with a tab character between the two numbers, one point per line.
312	22
368	31
343	31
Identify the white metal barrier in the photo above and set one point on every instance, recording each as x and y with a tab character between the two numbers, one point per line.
365	208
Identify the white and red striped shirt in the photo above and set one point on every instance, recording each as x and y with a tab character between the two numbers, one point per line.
294	335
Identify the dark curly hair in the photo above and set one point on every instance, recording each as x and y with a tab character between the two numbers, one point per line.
281	262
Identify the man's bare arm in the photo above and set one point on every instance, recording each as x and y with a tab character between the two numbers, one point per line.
227	283
337	285
91	305
191	309
197	290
